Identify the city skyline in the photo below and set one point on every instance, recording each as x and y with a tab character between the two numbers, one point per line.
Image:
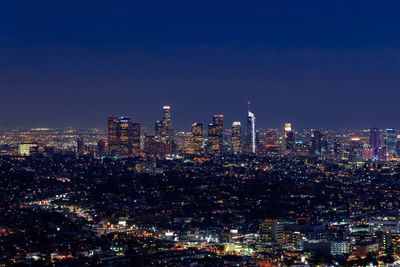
185	126
200	133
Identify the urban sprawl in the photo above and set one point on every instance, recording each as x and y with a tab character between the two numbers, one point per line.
216	195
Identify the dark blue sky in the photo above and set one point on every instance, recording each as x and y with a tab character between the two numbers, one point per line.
331	64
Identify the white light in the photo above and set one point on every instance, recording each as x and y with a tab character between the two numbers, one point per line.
169	234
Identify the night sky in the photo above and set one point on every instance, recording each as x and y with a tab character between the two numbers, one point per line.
331	64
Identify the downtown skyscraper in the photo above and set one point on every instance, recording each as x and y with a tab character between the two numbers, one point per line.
216	134
123	137
164	133
289	140
198	138
316	143
375	142
236	137
251	132
166	130
390	143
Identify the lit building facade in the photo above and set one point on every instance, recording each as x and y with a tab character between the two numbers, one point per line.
135	139
164	131
390	143
236	137
316	143
375	142
123	136
185	144
27	149
198	138
216	134
251	132
112	139
289	141
272	231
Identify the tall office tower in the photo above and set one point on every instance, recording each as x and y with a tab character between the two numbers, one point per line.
290	140
355	149
289	137
212	144
80	147
236	137
390	143
375	141
338	149
135	139
216	134
184	141
101	148
251	132
198	138
158	130
112	135
123	136
316	144
164	132
166	121
272	231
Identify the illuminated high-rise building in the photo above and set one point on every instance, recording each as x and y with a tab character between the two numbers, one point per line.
316	143
123	136
158	130
219	126
113	135
289	137
289	141
356	149
272	231
251	132
337	149
375	141
166	122
216	134
390	143
135	139
198	138
184	141
212	142
27	149
236	137
164	132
